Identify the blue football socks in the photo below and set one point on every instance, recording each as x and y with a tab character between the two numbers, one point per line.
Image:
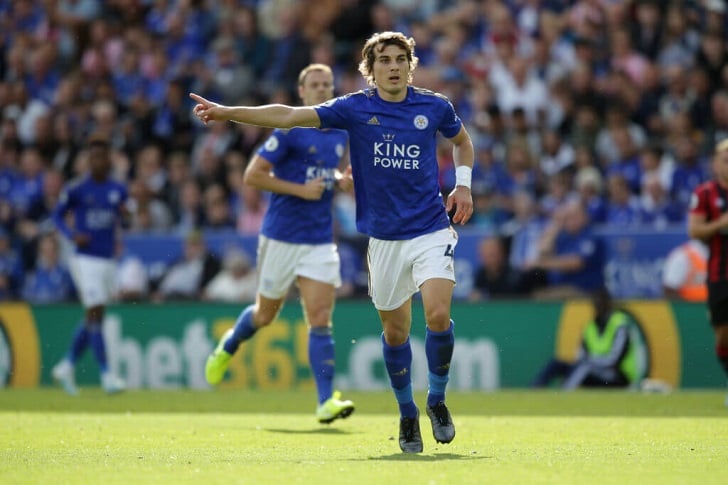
438	348
78	344
96	340
321	358
243	330
398	361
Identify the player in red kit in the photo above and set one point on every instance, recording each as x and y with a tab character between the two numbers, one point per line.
708	221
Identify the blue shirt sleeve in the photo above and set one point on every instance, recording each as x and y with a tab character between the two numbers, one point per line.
276	147
332	114
59	213
451	123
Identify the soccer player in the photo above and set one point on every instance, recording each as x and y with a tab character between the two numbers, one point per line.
96	203
708	221
300	167
392	129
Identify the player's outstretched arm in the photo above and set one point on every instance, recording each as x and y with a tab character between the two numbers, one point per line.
269	115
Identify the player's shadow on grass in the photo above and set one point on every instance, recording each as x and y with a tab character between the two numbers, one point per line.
329	431
419	457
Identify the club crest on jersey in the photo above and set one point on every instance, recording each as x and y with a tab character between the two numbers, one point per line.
421	122
114	197
339	150
271	144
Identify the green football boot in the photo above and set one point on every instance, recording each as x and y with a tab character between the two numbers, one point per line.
334	408
218	361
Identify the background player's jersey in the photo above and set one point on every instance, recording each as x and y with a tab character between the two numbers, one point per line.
96	208
299	155
393	159
710	200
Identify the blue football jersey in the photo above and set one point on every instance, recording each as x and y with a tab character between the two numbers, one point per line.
393	159
96	209
299	155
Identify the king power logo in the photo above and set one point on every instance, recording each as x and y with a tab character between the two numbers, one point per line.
390	154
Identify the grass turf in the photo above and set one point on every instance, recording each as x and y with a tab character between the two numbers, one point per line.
272	437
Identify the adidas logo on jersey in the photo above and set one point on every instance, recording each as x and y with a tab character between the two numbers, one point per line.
373	121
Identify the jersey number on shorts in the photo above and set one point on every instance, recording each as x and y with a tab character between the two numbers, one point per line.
449	251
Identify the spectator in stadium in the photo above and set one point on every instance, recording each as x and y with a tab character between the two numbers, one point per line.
627	163
420	216
570	254
96	206
656	208
494	277
559	192
132	280
557	155
254	208
236	282
524	233
689	173
589	186
685	271
187	277
300	167
50	280
217	210
149	214
190	210
623	207
11	268
607	355
37	219
27	186
708	222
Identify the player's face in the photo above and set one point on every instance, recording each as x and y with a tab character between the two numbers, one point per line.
317	87
99	161
720	166
391	71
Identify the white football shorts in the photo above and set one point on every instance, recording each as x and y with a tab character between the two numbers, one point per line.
397	269
279	263
95	279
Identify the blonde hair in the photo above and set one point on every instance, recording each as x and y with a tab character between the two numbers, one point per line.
376	44
311	68
721	147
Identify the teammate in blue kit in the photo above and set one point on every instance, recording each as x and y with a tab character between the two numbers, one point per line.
300	167
392	130
97	204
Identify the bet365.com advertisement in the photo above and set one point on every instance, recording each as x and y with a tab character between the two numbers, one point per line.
498	344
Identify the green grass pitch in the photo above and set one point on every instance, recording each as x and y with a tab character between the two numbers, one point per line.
225	436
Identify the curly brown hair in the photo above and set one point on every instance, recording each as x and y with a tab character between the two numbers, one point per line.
376	43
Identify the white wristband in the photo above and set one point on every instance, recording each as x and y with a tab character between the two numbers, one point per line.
463	174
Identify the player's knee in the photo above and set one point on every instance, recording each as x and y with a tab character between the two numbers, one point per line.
394	335
318	317
438	318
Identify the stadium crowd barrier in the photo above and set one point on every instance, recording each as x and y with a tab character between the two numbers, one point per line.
633	257
499	344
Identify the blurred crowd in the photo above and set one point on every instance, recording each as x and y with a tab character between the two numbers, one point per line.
615	104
